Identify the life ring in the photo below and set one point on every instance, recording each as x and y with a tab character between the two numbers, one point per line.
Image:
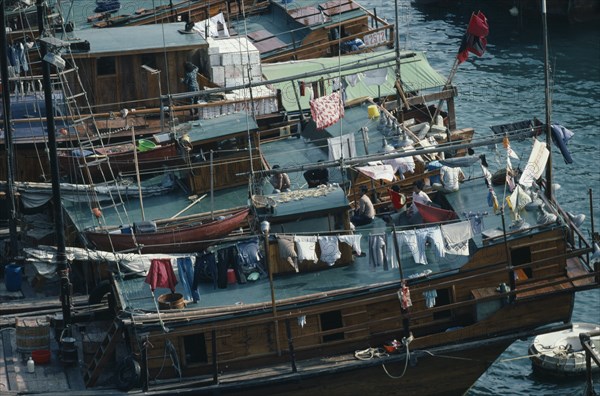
128	374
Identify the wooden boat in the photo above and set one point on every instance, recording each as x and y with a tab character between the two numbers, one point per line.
189	234
323	330
560	353
431	214
105	163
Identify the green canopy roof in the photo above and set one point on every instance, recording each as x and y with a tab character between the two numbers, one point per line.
417	75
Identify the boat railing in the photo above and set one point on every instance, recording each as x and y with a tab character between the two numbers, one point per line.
580	243
591	354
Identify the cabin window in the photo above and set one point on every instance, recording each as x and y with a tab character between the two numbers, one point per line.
106	66
330	321
522	256
444	297
195	349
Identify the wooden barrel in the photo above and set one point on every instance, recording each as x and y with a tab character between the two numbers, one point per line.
32	334
171	301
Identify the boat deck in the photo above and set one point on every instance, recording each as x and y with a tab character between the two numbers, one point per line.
471	198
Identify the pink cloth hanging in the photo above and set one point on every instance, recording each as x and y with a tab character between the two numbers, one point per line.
327	110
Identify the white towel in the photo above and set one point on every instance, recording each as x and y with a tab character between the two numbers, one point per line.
456	237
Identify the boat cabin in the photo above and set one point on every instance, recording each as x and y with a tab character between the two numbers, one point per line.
114	58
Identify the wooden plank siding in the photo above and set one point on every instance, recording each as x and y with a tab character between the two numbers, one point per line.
359	319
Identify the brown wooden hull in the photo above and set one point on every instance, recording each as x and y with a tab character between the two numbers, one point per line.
176	238
105	168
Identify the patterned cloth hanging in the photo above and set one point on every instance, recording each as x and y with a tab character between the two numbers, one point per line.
327	110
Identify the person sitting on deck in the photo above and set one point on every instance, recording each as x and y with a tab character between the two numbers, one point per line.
280	181
366	211
450	179
397	198
352	45
420	196
316	177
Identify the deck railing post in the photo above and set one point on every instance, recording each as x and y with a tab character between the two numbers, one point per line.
288	331
215	364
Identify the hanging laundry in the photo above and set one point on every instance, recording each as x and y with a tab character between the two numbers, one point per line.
408	239
186	276
352	240
376	76
353	79
378	172
287	252
341	146
404	297
518	199
430	296
161	275
456	237
560	137
378	256
212	26
433	235
476	220
327	110
302	321
535	165
330	251
306	248
401	165
205	269
249	255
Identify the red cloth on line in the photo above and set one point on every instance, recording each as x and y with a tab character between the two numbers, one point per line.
161	275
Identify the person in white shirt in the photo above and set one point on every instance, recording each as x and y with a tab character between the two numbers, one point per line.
450	179
419	196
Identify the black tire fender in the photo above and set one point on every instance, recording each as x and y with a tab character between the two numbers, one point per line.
128	374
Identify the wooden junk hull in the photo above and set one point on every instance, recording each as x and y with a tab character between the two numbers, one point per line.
441	363
110	162
191	235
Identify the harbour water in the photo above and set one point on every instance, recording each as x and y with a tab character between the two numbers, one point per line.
505	85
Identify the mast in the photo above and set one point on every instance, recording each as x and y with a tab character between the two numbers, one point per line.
548	105
61	257
8	143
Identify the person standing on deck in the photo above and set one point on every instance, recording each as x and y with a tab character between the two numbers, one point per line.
280	181
190	80
450	179
366	211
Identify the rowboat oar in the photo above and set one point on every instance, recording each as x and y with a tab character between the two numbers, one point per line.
189	206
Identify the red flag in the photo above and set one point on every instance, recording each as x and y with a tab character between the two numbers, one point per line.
474	40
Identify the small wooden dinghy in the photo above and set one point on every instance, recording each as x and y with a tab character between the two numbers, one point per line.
560	353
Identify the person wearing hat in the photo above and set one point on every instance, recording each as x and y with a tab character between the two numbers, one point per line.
280	181
366	211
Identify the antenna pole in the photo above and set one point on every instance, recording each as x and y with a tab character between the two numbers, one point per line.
61	256
548	105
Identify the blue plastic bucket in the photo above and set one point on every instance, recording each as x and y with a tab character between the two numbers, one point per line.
13	277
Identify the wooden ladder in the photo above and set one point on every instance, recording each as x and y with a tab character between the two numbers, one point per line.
102	355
